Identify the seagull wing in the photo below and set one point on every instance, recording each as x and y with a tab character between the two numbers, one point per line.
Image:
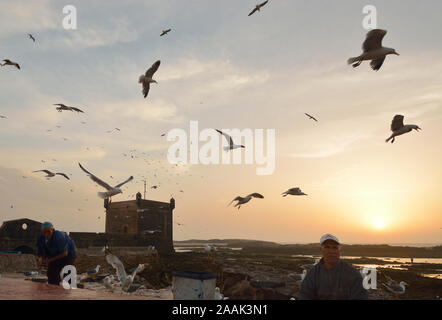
377	64
256	195
263	4
117	265
129	179
76	109
254	10
397	123
62	174
45	171
150	72
373	40
95	179
229	138
236	199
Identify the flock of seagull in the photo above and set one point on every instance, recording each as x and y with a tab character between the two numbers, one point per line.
373	51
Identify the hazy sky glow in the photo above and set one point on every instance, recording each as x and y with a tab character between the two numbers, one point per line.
226	70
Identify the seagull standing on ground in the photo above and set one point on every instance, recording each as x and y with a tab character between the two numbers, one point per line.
394	286
398	127
258	7
8	62
373	50
50	174
165	32
146	79
298	276
242	200
31	37
231	145
311	117
294	192
111	191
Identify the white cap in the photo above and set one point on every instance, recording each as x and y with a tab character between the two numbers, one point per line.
328	236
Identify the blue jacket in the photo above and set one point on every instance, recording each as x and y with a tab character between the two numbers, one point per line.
59	243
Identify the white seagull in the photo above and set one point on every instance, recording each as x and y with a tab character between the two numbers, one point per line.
373	50
398	127
231	145
146	79
394	286
50	174
309	266
294	192
258	7
125	280
111	191
298	276
242	200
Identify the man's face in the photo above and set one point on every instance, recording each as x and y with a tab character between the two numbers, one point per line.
331	252
47	232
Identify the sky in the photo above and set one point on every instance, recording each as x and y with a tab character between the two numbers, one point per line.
226	70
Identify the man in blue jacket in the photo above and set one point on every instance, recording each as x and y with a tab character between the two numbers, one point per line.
56	250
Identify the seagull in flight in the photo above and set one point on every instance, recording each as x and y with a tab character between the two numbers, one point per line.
77	110
246	199
146	79
31	37
110	191
3	117
165	32
294	192
50	174
62	107
311	117
232	145
398	127
8	62
373	50
258	7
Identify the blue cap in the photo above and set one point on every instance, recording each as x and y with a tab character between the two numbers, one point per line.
46	224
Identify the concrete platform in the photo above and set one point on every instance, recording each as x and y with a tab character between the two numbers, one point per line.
20	289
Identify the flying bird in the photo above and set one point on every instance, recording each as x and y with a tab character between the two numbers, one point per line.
293	192
398	127
165	32
62	107
246	199
8	62
231	145
50	174
373	50
146	79
3	117
77	110
31	37
258	7
111	191
311	117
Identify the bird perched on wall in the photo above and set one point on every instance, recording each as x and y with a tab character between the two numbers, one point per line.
258	7
246	199
146	79
8	62
373	50
398	127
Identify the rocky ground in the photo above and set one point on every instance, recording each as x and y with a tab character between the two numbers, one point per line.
239	275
